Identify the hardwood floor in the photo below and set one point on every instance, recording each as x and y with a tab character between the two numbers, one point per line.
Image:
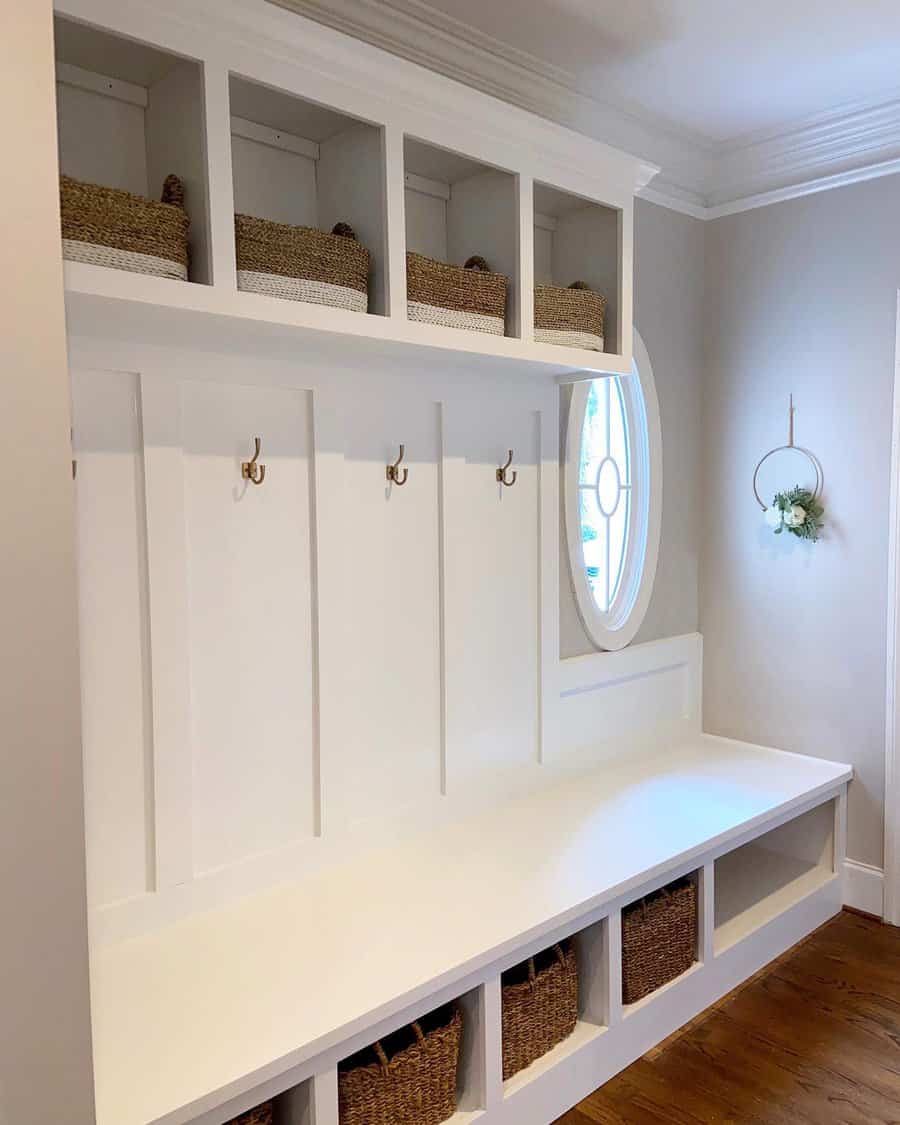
814	1039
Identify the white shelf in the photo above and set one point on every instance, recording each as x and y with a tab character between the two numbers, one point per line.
116	305
269	983
755	885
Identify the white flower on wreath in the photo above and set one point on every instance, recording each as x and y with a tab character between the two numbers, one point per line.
773	516
795	516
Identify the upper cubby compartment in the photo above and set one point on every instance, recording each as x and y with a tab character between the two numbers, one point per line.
129	116
458	209
300	164
576	241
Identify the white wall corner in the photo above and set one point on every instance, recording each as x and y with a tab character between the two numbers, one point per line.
864	887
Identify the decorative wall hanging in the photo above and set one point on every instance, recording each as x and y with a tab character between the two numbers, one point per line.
797	510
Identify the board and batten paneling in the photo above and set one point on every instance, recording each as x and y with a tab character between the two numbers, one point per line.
492	595
386	547
114	634
249	590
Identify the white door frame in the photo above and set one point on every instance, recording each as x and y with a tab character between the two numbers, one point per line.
892	710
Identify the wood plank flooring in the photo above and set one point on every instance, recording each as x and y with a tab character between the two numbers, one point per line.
814	1039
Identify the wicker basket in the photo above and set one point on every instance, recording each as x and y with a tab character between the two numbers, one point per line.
261	1115
659	939
540	1006
108	227
572	316
407	1079
302	264
468	296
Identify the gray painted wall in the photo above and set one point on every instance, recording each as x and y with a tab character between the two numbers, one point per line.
669	264
801	297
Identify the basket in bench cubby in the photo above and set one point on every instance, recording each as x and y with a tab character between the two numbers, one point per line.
659	938
407	1078
539	1000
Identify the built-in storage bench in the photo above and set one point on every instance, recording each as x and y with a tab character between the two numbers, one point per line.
282	986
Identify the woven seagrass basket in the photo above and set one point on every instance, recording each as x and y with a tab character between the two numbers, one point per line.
572	316
108	227
469	296
539	1001
659	939
261	1115
302	264
407	1079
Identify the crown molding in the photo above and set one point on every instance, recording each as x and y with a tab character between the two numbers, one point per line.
699	177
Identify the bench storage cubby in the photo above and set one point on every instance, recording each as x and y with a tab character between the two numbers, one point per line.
407	1078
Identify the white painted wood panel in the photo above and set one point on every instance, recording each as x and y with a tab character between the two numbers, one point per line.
482	220
492	602
543	256
175	121
426	224
250	628
389	758
101	139
114	634
351	182
271	183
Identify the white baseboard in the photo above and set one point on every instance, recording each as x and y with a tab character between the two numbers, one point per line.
864	887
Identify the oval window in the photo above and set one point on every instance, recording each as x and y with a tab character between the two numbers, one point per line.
613	489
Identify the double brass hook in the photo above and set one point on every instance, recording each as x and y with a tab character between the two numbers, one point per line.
395	474
501	473
251	470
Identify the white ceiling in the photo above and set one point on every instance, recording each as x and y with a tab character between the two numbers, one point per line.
717	68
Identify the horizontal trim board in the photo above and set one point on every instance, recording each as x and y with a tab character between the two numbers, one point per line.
274	138
579	674
424	186
544	222
67	74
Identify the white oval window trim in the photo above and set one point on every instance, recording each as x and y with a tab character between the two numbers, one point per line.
639	481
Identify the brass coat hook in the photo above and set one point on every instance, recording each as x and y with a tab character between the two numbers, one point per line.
252	471
395	474
501	472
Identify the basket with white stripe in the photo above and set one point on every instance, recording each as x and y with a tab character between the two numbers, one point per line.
468	296
301	263
572	316
108	227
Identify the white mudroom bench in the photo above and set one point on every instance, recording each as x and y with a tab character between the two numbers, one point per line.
207	1016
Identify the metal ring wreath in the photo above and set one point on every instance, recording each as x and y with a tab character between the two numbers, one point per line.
796	510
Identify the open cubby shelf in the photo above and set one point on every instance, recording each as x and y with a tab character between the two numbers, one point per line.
295	147
577	239
297	162
758	882
129	114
